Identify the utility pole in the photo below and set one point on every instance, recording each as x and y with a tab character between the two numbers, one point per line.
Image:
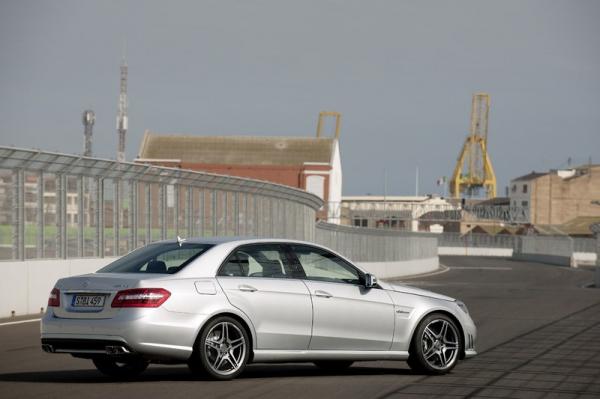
417	182
385	214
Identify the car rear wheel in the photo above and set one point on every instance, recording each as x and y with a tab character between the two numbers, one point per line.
435	346
334	364
120	368
222	350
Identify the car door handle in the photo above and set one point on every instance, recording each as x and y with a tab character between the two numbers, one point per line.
246	288
323	294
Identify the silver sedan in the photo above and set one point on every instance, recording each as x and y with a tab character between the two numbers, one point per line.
219	304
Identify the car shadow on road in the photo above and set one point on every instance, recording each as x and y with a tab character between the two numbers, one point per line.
181	373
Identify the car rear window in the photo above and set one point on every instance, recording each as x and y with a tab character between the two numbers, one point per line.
161	258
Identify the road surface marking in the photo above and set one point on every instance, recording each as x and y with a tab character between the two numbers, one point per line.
479	268
19	322
442	269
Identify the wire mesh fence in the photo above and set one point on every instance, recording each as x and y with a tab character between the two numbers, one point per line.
375	245
64	206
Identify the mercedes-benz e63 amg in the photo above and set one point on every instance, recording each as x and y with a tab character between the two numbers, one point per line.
220	304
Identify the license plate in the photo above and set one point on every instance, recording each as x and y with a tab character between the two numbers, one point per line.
88	301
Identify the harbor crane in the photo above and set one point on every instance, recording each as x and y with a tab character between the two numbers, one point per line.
473	171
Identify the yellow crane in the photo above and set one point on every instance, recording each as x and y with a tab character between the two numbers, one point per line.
474	169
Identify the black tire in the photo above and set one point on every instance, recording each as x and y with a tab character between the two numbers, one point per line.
220	356
436	345
334	364
120	368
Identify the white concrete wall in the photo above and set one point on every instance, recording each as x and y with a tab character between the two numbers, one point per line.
474	251
584	258
25	286
390	270
578	258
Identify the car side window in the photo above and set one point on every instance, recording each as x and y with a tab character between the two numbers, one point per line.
322	265
265	260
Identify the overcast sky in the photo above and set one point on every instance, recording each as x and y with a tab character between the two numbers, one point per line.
401	72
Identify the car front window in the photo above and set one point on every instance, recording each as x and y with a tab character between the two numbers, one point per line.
322	265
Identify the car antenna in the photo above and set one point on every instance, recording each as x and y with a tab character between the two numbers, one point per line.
180	240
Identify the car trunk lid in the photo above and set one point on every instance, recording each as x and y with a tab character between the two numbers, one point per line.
90	296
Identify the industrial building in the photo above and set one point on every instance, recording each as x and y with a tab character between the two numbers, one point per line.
309	163
559	196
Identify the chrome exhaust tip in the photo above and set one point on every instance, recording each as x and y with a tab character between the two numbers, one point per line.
116	350
47	348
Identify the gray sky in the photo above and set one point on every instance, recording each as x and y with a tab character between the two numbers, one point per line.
402	74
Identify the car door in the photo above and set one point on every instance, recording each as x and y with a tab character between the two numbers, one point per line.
346	315
257	279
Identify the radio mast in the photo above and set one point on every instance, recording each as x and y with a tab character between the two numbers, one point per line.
122	113
88	122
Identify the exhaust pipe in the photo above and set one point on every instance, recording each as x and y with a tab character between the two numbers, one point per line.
116	350
47	348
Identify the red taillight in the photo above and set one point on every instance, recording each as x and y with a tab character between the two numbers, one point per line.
140	298
54	298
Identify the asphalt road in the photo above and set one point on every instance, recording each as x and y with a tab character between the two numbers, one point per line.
539	336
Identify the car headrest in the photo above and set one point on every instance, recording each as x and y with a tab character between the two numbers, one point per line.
156	266
236	267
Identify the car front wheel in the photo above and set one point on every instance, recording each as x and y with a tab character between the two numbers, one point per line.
435	346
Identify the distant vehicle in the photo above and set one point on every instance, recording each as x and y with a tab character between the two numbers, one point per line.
219	304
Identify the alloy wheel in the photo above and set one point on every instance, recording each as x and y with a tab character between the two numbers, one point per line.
440	344
225	348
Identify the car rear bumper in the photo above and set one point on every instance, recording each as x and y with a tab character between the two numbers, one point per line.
151	333
87	347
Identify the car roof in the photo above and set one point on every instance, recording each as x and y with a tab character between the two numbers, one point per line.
239	240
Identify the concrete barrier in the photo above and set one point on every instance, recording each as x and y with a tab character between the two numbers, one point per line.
575	260
584	258
475	251
25	286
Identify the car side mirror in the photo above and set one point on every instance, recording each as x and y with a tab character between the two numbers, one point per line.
370	280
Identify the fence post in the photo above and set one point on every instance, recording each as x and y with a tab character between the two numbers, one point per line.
80	217
40	216
18	215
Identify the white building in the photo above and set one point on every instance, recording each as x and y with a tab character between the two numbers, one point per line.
394	212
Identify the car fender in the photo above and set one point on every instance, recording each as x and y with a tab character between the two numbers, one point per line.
433	309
